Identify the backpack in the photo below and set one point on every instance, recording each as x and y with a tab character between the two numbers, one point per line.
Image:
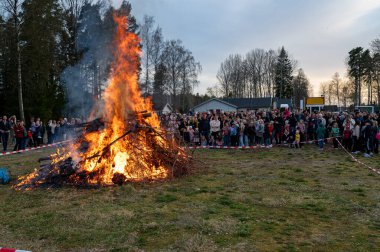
233	131
4	176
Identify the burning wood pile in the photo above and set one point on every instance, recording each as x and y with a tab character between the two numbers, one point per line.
126	144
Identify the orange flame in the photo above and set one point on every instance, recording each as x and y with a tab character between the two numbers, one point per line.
123	101
113	156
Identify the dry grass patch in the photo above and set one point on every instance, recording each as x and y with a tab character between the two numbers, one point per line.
240	200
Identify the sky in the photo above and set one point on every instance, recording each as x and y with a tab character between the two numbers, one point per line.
318	34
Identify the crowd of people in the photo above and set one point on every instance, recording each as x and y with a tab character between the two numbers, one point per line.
355	131
35	132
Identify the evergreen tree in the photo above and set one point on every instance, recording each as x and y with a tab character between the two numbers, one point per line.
300	87
160	78
356	70
283	75
40	36
2	59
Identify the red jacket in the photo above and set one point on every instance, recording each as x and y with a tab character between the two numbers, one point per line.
19	131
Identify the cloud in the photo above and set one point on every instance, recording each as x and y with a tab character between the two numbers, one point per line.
318	34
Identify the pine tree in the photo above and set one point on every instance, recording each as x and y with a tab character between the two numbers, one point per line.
300	87
283	75
356	70
40	36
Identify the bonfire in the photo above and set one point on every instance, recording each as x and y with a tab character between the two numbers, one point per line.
127	145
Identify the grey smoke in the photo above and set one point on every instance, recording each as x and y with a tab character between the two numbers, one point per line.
88	77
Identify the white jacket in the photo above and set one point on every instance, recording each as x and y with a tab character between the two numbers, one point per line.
215	125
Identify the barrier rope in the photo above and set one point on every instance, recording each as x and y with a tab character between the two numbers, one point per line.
11	250
34	148
251	146
211	147
357	160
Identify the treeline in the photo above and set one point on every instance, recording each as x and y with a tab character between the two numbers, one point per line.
169	70
362	87
261	73
56	56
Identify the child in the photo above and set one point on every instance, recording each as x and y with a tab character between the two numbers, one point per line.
219	139
335	134
347	132
204	141
291	139
196	139
191	133
267	134
297	139
226	134
321	130
286	134
233	134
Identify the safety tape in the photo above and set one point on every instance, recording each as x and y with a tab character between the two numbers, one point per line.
12	250
252	146
33	148
357	160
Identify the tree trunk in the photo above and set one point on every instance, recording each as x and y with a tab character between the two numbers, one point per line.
359	92
369	94
19	77
378	92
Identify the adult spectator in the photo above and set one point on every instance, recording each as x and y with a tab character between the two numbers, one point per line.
5	129
20	133
215	128
204	127
367	133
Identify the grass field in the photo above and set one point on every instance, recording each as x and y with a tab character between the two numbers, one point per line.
239	200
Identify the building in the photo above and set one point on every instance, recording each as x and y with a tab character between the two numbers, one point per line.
265	103
215	105
163	109
242	104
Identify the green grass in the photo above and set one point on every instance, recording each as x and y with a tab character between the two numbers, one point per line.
239	200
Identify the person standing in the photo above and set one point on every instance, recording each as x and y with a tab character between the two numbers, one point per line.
226	134
234	134
367	133
260	132
5	128
335	134
20	133
215	128
204	127
321	130
12	122
356	138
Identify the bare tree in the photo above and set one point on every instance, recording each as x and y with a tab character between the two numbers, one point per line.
249	76
323	90
213	91
146	33
346	93
336	85
73	7
181	70
224	78
375	46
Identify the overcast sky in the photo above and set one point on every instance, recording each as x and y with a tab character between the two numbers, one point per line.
318	34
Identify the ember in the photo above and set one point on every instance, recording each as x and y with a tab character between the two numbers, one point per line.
126	144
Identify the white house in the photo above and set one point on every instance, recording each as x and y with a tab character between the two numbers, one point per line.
167	109
215	105
163	109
